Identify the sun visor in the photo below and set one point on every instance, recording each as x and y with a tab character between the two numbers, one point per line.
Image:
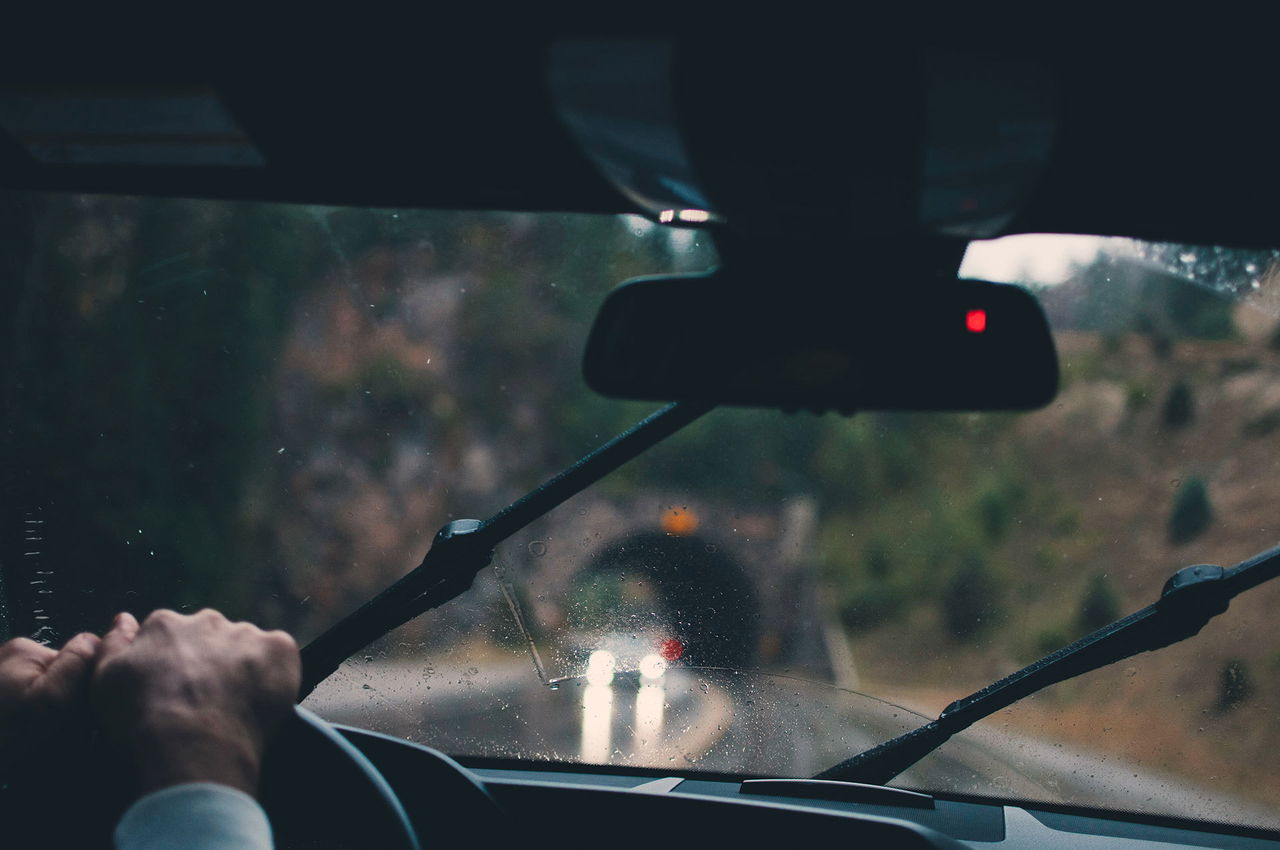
126	127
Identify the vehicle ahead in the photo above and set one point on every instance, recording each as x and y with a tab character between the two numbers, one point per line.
271	408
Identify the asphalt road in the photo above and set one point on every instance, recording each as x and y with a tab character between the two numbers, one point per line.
724	721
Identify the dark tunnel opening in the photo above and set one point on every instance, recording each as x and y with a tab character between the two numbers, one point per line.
706	598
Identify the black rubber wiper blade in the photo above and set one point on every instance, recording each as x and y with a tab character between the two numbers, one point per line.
464	547
1190	599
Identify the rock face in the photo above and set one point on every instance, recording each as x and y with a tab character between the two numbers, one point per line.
382	448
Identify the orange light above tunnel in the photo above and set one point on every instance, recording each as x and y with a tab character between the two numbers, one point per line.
679	522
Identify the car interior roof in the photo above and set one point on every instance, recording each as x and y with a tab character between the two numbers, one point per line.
1159	137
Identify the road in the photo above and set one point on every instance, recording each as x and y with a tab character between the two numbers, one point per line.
726	721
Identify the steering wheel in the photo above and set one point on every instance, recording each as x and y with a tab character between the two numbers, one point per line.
327	785
320	791
317	788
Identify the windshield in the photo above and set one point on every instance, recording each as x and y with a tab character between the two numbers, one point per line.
271	410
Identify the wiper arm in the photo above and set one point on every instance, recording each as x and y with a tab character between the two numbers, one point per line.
464	547
1190	598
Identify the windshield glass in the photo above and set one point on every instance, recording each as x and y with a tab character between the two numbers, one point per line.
271	409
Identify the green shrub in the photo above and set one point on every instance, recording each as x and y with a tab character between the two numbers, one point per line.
970	601
1100	604
995	509
1234	685
1192	513
878	559
1262	424
1239	366
1179	407
1137	396
1044	559
998	503
1067	522
871	605
1048	640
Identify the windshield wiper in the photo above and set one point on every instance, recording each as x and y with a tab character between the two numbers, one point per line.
465	546
1190	598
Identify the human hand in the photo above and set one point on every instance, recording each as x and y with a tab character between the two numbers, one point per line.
42	693
194	698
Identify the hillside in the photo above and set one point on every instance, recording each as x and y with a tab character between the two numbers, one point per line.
1102	470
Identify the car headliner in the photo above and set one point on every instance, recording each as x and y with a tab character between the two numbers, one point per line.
1160	136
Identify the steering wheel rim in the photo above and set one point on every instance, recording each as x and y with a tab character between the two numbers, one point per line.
317	788
311	773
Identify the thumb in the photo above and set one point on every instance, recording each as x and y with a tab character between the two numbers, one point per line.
116	641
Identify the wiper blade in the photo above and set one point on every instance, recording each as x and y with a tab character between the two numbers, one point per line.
1190	599
464	547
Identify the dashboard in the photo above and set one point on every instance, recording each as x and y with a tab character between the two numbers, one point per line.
570	805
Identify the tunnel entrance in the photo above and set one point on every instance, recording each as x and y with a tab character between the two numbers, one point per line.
680	585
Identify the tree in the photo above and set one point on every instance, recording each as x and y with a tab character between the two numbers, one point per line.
1179	407
1192	513
1134	293
1100	604
1234	685
1229	271
971	600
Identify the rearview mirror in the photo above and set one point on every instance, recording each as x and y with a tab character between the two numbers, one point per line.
963	345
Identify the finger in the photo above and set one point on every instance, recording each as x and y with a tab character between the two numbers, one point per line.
210	617
163	617
83	647
123	630
28	652
67	673
283	640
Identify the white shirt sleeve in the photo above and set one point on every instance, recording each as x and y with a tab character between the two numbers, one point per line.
194	816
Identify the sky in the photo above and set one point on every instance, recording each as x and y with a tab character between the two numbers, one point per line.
1040	258
1043	258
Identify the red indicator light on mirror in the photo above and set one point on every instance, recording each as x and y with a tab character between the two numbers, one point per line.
976	321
